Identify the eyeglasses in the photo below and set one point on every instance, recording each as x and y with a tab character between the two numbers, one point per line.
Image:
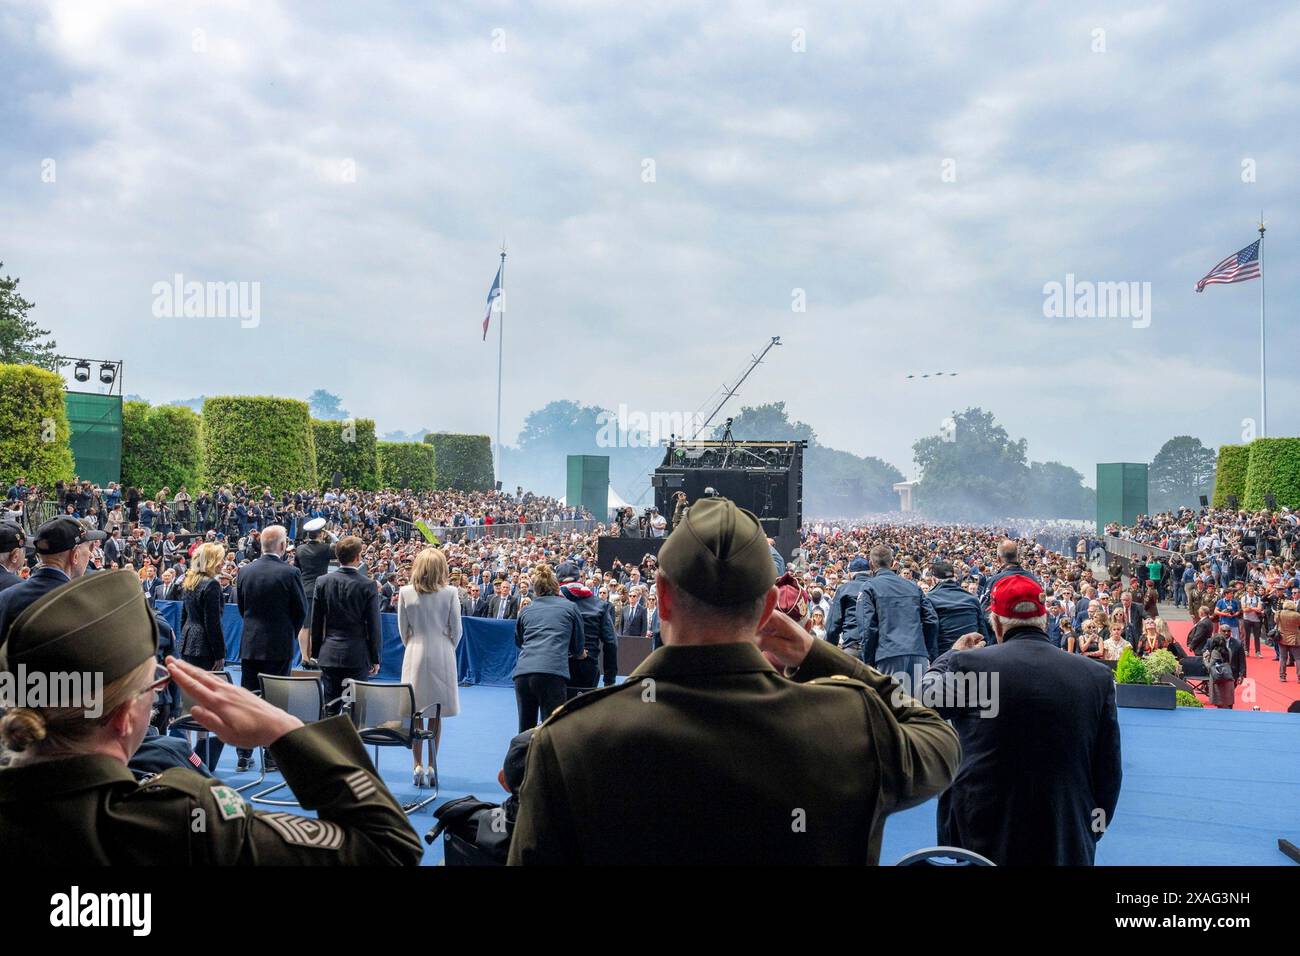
161	678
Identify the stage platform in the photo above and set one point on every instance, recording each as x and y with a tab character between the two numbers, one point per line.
1201	787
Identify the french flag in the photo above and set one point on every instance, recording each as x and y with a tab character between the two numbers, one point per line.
493	294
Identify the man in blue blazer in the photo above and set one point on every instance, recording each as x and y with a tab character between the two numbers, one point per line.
1040	767
272	603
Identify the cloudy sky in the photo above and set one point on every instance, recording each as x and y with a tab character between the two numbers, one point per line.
671	180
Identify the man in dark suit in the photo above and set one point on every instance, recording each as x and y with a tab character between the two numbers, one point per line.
63	547
634	616
345	635
1040	772
1133	617
13	554
272	603
115	549
503	606
481	600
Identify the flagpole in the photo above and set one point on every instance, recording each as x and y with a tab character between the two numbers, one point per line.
1263	380
501	337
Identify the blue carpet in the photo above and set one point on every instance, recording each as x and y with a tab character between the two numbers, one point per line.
1201	787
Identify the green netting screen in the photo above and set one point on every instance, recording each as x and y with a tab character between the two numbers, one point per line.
96	423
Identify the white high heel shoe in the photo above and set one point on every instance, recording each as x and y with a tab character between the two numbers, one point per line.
419	777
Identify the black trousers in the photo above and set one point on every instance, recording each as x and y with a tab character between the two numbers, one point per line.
534	692
248	671
332	679
584	673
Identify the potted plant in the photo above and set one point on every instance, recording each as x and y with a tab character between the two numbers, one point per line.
1133	686
1162	664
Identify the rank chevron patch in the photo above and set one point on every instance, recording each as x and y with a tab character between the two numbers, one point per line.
303	831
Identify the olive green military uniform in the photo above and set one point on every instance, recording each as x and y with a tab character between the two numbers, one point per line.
88	810
708	755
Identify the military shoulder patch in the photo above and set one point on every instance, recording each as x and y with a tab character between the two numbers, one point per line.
230	804
304	831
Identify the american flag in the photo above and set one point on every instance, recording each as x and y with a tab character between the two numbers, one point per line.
1238	267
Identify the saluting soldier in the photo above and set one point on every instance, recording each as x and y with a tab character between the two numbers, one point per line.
743	737
69	796
679	509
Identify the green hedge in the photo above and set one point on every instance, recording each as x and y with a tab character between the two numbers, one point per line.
1274	467
463	462
32	411
1230	474
406	464
347	447
260	441
161	446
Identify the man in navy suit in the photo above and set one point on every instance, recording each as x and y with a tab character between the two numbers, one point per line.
634	616
63	547
345	635
272	603
1040	769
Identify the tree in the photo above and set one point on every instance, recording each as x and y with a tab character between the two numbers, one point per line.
766	423
326	406
20	339
1182	471
1056	491
972	470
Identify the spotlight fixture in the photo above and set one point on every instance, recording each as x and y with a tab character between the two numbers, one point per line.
107	373
81	371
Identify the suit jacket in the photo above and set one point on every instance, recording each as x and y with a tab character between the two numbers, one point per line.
272	603
731	793
1034	774
8	579
480	608
345	620
634	620
201	630
512	606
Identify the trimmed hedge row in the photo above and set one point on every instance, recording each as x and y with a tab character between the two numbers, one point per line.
1274	467
349	448
462	462
406	464
260	441
161	446
35	441
1230	474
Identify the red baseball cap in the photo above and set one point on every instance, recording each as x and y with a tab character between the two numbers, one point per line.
1017	597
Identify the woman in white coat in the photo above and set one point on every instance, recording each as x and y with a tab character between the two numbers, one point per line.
428	620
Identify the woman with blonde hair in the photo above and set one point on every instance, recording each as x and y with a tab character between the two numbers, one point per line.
428	621
202	640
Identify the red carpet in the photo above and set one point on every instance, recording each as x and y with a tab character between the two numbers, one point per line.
1261	688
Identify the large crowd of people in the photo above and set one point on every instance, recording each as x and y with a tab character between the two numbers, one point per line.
909	604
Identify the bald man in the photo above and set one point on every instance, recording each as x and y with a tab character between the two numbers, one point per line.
273	605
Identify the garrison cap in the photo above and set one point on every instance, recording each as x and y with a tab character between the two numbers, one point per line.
99	622
719	554
63	534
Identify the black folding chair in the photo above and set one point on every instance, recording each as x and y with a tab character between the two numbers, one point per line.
186	723
1195	676
385	716
300	696
944	856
